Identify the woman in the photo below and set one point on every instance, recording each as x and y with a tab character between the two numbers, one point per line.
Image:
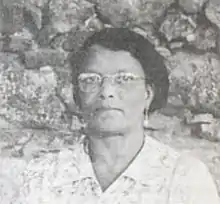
119	81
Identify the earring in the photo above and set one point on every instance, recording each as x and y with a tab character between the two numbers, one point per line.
146	95
146	123
146	119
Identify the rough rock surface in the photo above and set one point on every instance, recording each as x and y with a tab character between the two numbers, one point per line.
66	14
37	111
192	6
196	79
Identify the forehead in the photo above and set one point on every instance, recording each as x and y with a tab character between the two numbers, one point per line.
105	61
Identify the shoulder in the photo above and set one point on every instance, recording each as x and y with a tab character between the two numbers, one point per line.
192	182
52	159
10	180
54	163
191	171
160	153
189	179
158	160
47	173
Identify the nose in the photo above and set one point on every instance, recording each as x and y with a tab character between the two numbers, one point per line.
107	90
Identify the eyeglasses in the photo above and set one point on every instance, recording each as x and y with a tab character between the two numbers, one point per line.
90	82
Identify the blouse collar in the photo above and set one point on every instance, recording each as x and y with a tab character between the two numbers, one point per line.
146	165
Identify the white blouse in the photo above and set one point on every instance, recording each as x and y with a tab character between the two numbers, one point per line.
158	175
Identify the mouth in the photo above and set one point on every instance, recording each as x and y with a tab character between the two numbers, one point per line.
104	109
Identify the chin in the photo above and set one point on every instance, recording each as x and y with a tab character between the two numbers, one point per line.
111	127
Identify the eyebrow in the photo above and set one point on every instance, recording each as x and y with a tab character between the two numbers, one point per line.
90	72
122	70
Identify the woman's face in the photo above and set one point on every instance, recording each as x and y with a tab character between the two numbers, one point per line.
115	103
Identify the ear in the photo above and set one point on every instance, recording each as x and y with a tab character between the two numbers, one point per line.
149	95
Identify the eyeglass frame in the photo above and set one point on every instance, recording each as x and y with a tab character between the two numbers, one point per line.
109	76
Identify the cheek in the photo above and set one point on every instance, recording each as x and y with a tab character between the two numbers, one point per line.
131	100
87	101
134	99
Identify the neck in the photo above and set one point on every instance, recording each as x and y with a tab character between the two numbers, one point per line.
114	149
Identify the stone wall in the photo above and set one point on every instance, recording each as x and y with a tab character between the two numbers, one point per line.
37	112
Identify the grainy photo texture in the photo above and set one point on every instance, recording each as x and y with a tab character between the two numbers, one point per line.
109	102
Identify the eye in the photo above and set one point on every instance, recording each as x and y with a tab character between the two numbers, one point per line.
89	78
124	78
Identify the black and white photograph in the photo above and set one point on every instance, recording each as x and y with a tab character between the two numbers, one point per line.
109	102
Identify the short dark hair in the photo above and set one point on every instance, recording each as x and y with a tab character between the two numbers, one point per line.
139	47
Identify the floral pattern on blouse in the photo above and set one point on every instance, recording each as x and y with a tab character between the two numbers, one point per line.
158	175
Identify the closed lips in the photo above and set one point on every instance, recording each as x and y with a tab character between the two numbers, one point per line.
107	109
